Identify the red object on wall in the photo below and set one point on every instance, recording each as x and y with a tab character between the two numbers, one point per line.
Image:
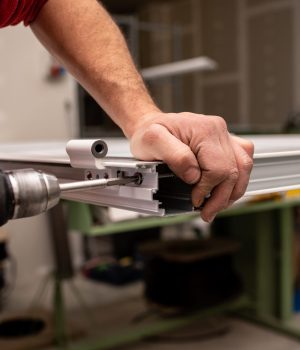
15	11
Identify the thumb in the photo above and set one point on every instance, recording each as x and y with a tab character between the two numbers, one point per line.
157	143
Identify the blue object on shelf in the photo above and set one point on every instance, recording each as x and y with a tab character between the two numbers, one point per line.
297	300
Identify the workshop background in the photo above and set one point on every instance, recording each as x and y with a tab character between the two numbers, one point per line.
255	87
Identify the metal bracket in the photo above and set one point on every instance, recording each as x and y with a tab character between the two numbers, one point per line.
87	153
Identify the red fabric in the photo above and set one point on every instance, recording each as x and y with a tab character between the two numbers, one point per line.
15	11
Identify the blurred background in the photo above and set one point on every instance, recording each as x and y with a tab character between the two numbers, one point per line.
254	85
249	74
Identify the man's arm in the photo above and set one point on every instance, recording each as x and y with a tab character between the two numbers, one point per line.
83	36
198	148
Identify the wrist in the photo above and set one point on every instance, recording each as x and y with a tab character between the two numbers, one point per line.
139	119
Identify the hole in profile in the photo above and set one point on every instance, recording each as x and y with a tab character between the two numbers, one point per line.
89	176
99	148
21	327
139	179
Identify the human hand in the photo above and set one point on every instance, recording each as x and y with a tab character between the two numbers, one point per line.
199	150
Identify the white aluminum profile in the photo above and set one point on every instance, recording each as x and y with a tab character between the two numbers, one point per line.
276	168
276	164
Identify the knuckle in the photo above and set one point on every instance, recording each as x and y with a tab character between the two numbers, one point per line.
214	125
250	147
247	164
233	174
221	122
194	116
217	175
184	156
230	174
151	134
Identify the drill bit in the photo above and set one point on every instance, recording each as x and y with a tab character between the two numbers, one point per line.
98	183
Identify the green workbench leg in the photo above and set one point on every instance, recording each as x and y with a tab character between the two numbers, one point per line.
272	293
286	285
265	265
59	314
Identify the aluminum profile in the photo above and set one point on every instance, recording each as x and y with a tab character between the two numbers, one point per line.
276	169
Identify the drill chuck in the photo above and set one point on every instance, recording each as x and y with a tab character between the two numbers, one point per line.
26	193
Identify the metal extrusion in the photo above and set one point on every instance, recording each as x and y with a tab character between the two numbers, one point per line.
276	168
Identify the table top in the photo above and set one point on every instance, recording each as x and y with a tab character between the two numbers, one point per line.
54	152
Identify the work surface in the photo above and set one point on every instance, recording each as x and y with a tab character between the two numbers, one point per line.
276	168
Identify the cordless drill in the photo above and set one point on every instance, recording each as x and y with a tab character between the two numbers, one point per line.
28	192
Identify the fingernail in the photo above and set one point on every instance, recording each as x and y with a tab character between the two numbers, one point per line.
191	176
197	203
211	218
201	201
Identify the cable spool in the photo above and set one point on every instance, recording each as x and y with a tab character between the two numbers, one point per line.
190	274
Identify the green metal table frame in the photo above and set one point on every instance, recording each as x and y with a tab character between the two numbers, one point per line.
269	303
268	227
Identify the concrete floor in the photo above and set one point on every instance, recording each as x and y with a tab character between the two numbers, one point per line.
240	334
113	310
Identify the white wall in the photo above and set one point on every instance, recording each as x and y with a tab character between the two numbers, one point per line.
31	108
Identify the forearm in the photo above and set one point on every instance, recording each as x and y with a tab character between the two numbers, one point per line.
81	35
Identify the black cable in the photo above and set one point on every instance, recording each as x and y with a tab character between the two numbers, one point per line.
6	199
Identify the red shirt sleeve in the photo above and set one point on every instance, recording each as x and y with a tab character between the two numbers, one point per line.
15	11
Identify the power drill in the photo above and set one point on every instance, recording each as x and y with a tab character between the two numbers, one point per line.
28	192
